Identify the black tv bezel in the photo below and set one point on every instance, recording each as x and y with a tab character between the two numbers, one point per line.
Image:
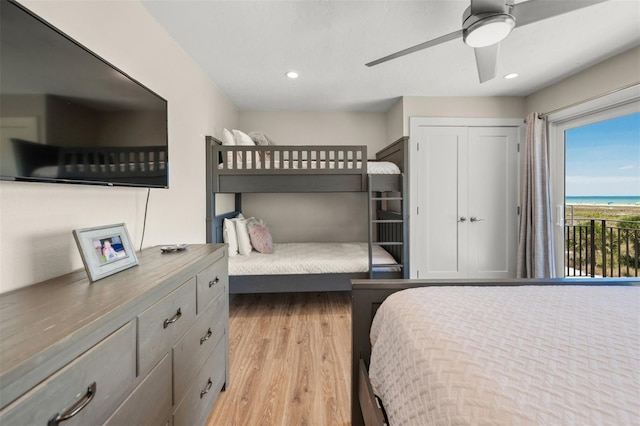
128	77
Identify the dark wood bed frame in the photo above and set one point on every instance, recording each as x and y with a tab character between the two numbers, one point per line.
352	178
368	295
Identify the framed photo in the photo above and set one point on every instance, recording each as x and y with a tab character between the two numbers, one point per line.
105	250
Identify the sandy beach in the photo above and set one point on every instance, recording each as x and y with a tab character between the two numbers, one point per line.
598	211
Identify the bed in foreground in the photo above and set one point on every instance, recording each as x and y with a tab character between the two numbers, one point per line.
500	352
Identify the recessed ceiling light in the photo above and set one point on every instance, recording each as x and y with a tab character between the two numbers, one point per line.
292	74
510	76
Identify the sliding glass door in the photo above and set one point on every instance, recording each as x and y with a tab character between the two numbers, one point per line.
596	188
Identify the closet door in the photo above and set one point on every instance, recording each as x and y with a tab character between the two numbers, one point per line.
464	202
492	203
439	235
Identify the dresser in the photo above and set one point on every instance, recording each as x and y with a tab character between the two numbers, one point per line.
148	345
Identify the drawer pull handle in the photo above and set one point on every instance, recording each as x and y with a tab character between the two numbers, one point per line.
213	282
207	389
173	319
75	408
206	337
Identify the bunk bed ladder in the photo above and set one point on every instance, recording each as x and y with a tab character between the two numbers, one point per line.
387	228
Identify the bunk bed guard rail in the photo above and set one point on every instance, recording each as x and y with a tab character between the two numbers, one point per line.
331	168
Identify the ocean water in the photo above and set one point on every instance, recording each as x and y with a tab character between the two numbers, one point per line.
604	200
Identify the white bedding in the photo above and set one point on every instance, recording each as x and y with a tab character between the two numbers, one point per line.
373	167
310	258
529	355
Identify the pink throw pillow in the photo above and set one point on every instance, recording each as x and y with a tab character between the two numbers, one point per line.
260	236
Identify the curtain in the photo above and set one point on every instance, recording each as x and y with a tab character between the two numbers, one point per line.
535	242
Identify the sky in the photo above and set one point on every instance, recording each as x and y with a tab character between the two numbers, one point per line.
604	158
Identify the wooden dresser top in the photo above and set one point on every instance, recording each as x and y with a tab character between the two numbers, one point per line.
46	325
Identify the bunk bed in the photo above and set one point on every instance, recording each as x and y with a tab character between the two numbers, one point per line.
309	169
528	351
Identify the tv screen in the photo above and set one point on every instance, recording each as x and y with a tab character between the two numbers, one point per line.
67	115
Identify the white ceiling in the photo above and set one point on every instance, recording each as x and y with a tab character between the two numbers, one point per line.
247	46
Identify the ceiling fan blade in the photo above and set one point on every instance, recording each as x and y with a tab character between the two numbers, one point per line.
536	10
487	61
417	47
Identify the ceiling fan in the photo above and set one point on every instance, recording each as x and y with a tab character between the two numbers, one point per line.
487	22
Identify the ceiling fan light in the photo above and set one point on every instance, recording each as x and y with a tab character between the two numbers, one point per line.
489	30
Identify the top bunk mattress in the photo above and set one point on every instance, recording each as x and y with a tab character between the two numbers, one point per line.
530	355
373	167
310	258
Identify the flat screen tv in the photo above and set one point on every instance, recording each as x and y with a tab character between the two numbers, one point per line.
68	116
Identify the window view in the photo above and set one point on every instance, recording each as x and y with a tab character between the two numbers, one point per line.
602	202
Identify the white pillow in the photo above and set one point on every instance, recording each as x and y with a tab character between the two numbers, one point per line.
244	241
229	235
228	138
260	139
243	138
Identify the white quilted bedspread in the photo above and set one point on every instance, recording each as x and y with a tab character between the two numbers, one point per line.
309	258
556	355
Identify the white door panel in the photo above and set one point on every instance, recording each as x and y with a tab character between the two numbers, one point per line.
492	193
438	181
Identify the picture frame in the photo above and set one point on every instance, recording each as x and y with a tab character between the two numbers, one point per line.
105	250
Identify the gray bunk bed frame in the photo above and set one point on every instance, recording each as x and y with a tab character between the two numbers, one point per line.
246	173
368	295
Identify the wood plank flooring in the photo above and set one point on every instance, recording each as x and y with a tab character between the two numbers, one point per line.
290	361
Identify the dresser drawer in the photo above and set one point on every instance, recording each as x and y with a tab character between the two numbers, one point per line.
160	326
150	402
205	388
98	381
212	282
190	353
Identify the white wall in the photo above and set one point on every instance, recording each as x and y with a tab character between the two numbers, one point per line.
36	220
325	217
618	72
395	120
320	128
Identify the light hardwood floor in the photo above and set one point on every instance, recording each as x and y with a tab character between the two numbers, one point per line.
290	360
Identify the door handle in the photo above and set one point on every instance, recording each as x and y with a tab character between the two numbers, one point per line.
475	219
206	390
173	319
206	336
75	408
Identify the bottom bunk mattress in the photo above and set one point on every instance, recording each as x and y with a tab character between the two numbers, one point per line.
311	258
531	355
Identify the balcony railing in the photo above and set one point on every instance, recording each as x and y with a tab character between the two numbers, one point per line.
602	248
